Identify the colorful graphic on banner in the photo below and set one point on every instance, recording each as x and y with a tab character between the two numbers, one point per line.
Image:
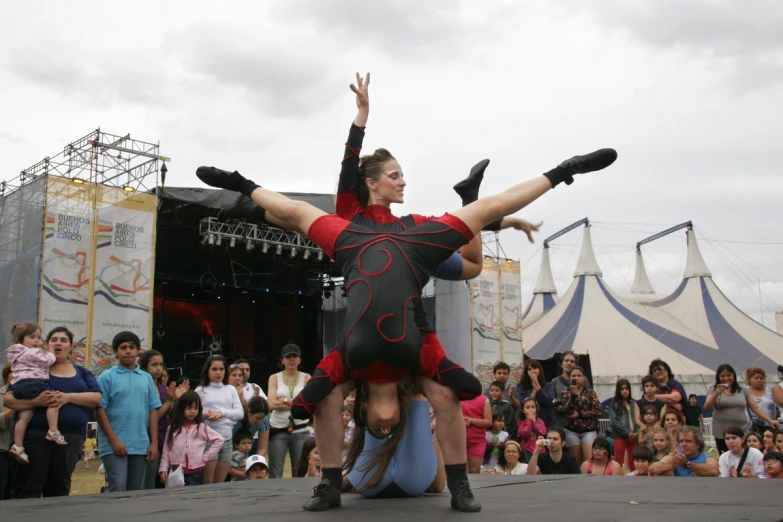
486	322
123	271
97	281
65	285
511	320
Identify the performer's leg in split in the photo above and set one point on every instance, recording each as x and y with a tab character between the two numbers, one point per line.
468	191
489	209
298	215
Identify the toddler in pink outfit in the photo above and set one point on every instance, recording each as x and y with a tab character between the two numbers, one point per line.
30	364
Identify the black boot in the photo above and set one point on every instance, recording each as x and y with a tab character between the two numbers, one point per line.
325	496
468	188
243	208
597	160
462	498
223	179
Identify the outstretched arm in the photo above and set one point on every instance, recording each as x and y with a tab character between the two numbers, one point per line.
347	203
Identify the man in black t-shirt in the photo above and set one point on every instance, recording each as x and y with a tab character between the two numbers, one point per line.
694	417
554	461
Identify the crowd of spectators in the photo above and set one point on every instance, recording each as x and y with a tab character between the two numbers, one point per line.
152	433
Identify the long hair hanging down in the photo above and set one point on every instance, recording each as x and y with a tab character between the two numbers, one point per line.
381	460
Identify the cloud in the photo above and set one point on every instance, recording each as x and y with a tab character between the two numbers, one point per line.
12	138
744	38
405	29
99	76
291	80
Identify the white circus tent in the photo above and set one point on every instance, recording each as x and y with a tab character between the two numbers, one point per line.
544	292
699	303
620	337
695	329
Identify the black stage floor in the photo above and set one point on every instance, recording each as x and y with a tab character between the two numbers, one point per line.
575	497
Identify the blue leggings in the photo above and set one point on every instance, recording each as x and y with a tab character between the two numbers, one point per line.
413	467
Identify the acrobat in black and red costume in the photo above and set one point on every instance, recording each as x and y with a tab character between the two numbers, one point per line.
386	261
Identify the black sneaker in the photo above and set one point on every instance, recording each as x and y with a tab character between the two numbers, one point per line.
597	160
468	188
462	498
243	208
325	496
218	178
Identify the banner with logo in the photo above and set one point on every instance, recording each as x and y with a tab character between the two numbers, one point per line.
486	324
511	319
98	266
65	281
124	267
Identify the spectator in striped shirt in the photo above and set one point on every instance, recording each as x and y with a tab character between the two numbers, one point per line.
127	417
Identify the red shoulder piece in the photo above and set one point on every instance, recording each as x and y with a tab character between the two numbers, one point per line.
347	205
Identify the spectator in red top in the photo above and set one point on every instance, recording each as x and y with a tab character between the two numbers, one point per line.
478	418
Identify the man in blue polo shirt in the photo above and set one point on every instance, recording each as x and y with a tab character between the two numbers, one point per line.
127	417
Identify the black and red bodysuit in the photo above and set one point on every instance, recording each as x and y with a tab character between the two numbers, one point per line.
385	261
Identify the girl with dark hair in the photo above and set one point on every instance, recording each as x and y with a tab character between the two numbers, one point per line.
729	401
533	385
530	427
309	464
672	421
151	361
601	462
650	417
623	412
753	440
188	441
740	460
222	409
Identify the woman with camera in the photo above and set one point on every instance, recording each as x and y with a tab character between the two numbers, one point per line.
728	402
582	409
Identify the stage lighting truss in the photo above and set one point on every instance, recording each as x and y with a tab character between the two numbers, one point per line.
264	235
100	157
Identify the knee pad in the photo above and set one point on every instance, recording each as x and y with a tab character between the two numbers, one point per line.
454	376
316	389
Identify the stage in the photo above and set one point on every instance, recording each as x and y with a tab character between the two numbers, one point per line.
574	497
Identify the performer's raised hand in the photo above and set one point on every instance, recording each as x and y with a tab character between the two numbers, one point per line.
361	89
520	224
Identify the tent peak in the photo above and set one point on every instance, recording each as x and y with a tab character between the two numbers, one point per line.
545	283
587	264
695	266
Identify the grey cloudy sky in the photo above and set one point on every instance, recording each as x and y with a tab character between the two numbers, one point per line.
687	92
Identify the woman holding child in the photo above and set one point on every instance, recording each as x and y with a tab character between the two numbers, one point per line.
73	389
